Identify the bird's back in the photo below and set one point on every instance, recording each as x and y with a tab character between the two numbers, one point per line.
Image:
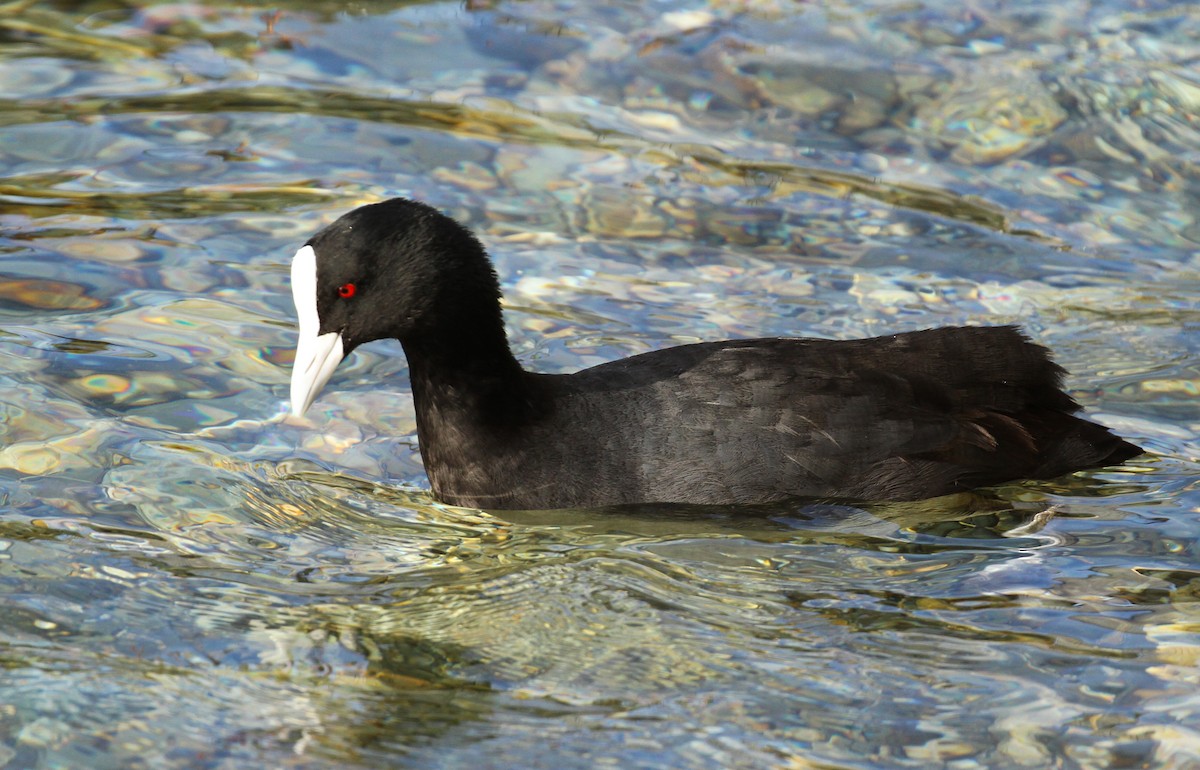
901	417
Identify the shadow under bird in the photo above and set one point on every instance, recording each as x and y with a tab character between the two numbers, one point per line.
900	417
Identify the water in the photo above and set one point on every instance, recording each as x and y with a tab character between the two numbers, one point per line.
188	582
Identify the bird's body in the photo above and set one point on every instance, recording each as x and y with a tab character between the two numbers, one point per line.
900	417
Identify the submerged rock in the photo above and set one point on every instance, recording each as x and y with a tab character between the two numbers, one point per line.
987	117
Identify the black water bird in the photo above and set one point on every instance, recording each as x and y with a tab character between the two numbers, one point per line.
901	417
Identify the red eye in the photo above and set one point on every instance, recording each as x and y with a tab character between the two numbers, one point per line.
346	290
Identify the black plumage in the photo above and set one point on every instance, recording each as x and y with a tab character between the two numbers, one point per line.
900	417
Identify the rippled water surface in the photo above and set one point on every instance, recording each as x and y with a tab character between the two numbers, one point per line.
187	582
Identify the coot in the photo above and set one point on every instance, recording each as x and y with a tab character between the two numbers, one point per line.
902	417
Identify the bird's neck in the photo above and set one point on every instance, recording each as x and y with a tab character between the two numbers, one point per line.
474	407
467	379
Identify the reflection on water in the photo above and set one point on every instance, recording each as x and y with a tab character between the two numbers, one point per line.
190	582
